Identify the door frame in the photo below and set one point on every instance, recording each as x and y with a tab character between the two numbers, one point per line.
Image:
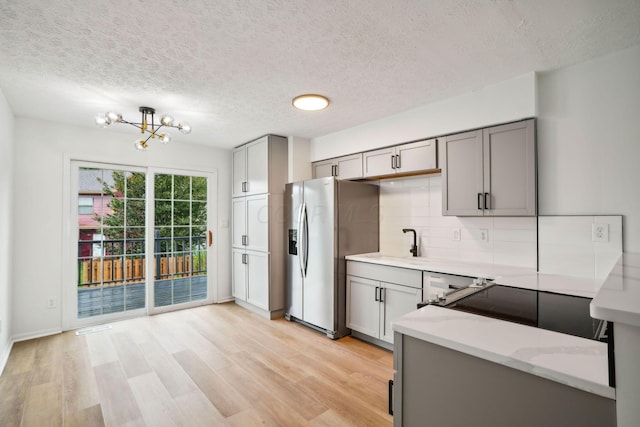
69	293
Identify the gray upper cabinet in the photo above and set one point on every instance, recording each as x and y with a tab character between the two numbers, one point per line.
462	174
406	158
379	162
345	167
259	166
490	172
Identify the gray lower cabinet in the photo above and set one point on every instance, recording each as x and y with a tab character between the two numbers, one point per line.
438	386
377	295
251	280
490	172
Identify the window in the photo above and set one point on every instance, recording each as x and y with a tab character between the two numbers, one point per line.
85	205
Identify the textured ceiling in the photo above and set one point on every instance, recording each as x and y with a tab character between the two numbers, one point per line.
231	68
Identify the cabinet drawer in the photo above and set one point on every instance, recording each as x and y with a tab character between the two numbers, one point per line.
384	273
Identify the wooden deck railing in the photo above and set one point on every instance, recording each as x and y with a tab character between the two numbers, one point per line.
112	270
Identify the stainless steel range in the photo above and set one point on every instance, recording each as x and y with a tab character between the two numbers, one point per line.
562	313
547	310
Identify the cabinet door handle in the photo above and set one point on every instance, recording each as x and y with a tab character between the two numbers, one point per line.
336	171
209	238
383	294
390	397
393	162
376	297
479	201
244	240
397	161
487	201
244	187
244	259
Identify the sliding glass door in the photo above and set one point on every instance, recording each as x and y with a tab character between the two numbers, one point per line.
181	239
134	227
111	234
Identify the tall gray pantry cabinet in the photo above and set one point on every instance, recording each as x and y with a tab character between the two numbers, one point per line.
257	239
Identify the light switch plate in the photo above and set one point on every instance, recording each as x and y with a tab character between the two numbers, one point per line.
455	235
600	232
52	302
484	234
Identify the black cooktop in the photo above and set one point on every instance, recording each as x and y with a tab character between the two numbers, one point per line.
547	310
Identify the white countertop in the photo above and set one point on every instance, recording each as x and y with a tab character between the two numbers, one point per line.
520	277
577	362
471	269
619	297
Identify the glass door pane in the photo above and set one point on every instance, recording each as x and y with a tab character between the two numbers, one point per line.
111	241
180	240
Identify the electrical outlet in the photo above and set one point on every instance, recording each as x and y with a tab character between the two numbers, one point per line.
600	232
52	302
484	234
456	234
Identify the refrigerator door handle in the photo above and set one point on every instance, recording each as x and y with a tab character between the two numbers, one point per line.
305	249
300	241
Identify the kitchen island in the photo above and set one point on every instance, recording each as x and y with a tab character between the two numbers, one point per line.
618	301
456	368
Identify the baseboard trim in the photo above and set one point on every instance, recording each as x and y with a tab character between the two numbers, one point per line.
4	358
371	340
38	334
270	315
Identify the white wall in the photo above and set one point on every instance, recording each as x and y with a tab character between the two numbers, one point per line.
6	203
589	141
510	100
40	149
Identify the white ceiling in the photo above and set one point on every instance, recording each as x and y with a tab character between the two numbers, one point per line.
231	68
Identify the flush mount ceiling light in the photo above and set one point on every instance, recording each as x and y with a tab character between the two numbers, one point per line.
310	102
147	124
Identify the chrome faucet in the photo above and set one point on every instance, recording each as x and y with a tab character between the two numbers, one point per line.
414	247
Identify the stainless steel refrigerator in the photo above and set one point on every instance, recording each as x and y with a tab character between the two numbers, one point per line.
326	219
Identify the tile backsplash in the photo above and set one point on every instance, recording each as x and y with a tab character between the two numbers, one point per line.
572	246
416	202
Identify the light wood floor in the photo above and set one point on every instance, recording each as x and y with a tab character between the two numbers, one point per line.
208	366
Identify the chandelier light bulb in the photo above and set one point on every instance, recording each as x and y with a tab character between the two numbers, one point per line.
114	117
165	138
102	121
141	144
166	120
184	128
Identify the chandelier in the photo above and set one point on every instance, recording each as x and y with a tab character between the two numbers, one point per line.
147	125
